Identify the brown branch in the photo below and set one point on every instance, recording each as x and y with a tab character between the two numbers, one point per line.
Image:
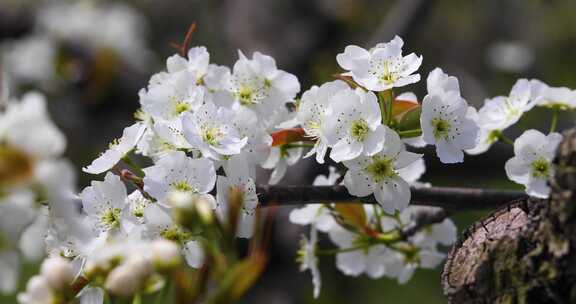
453	199
423	217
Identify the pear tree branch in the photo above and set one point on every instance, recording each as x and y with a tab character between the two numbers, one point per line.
449	198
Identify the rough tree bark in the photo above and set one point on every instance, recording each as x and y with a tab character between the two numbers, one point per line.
524	252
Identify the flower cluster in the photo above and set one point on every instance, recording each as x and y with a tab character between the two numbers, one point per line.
203	131
33	172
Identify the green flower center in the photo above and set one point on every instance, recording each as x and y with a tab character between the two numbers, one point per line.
111	217
441	128
181	107
359	130
511	111
176	234
540	168
246	96
381	168
211	135
182	186
388	76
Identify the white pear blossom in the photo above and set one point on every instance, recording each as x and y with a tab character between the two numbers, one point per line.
447	121
553	97
379	174
159	223
25	125
118	149
314	112
237	179
175	95
308	259
354	126
382	67
258	85
532	165
136	203
178	172
210	130
197	63
501	112
370	260
104	201
317	215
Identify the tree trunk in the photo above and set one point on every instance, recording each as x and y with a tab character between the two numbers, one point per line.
522	253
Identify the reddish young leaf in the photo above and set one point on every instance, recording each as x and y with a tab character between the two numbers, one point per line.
287	136
400	106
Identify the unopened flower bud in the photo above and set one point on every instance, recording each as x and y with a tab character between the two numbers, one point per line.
165	254
37	291
141	265
205	204
191	209
58	272
123	281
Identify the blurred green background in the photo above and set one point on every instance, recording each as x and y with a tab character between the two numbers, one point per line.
487	44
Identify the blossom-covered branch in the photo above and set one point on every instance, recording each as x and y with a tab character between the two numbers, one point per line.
455	199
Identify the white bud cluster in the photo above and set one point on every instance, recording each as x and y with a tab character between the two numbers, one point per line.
56	276
126	267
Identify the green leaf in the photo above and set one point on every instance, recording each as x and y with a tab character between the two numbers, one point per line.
410	120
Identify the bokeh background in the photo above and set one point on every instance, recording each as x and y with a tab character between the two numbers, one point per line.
93	86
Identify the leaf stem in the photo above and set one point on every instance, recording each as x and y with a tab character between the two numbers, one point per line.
389	104
137	299
341	250
385	100
554	121
130	163
505	139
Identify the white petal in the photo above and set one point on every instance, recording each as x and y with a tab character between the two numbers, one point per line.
375	141
430	258
305	215
358	183
351	263
414	171
405	159
538	188
448	153
352	57
9	271
92	295
193	254
393	194
517	170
